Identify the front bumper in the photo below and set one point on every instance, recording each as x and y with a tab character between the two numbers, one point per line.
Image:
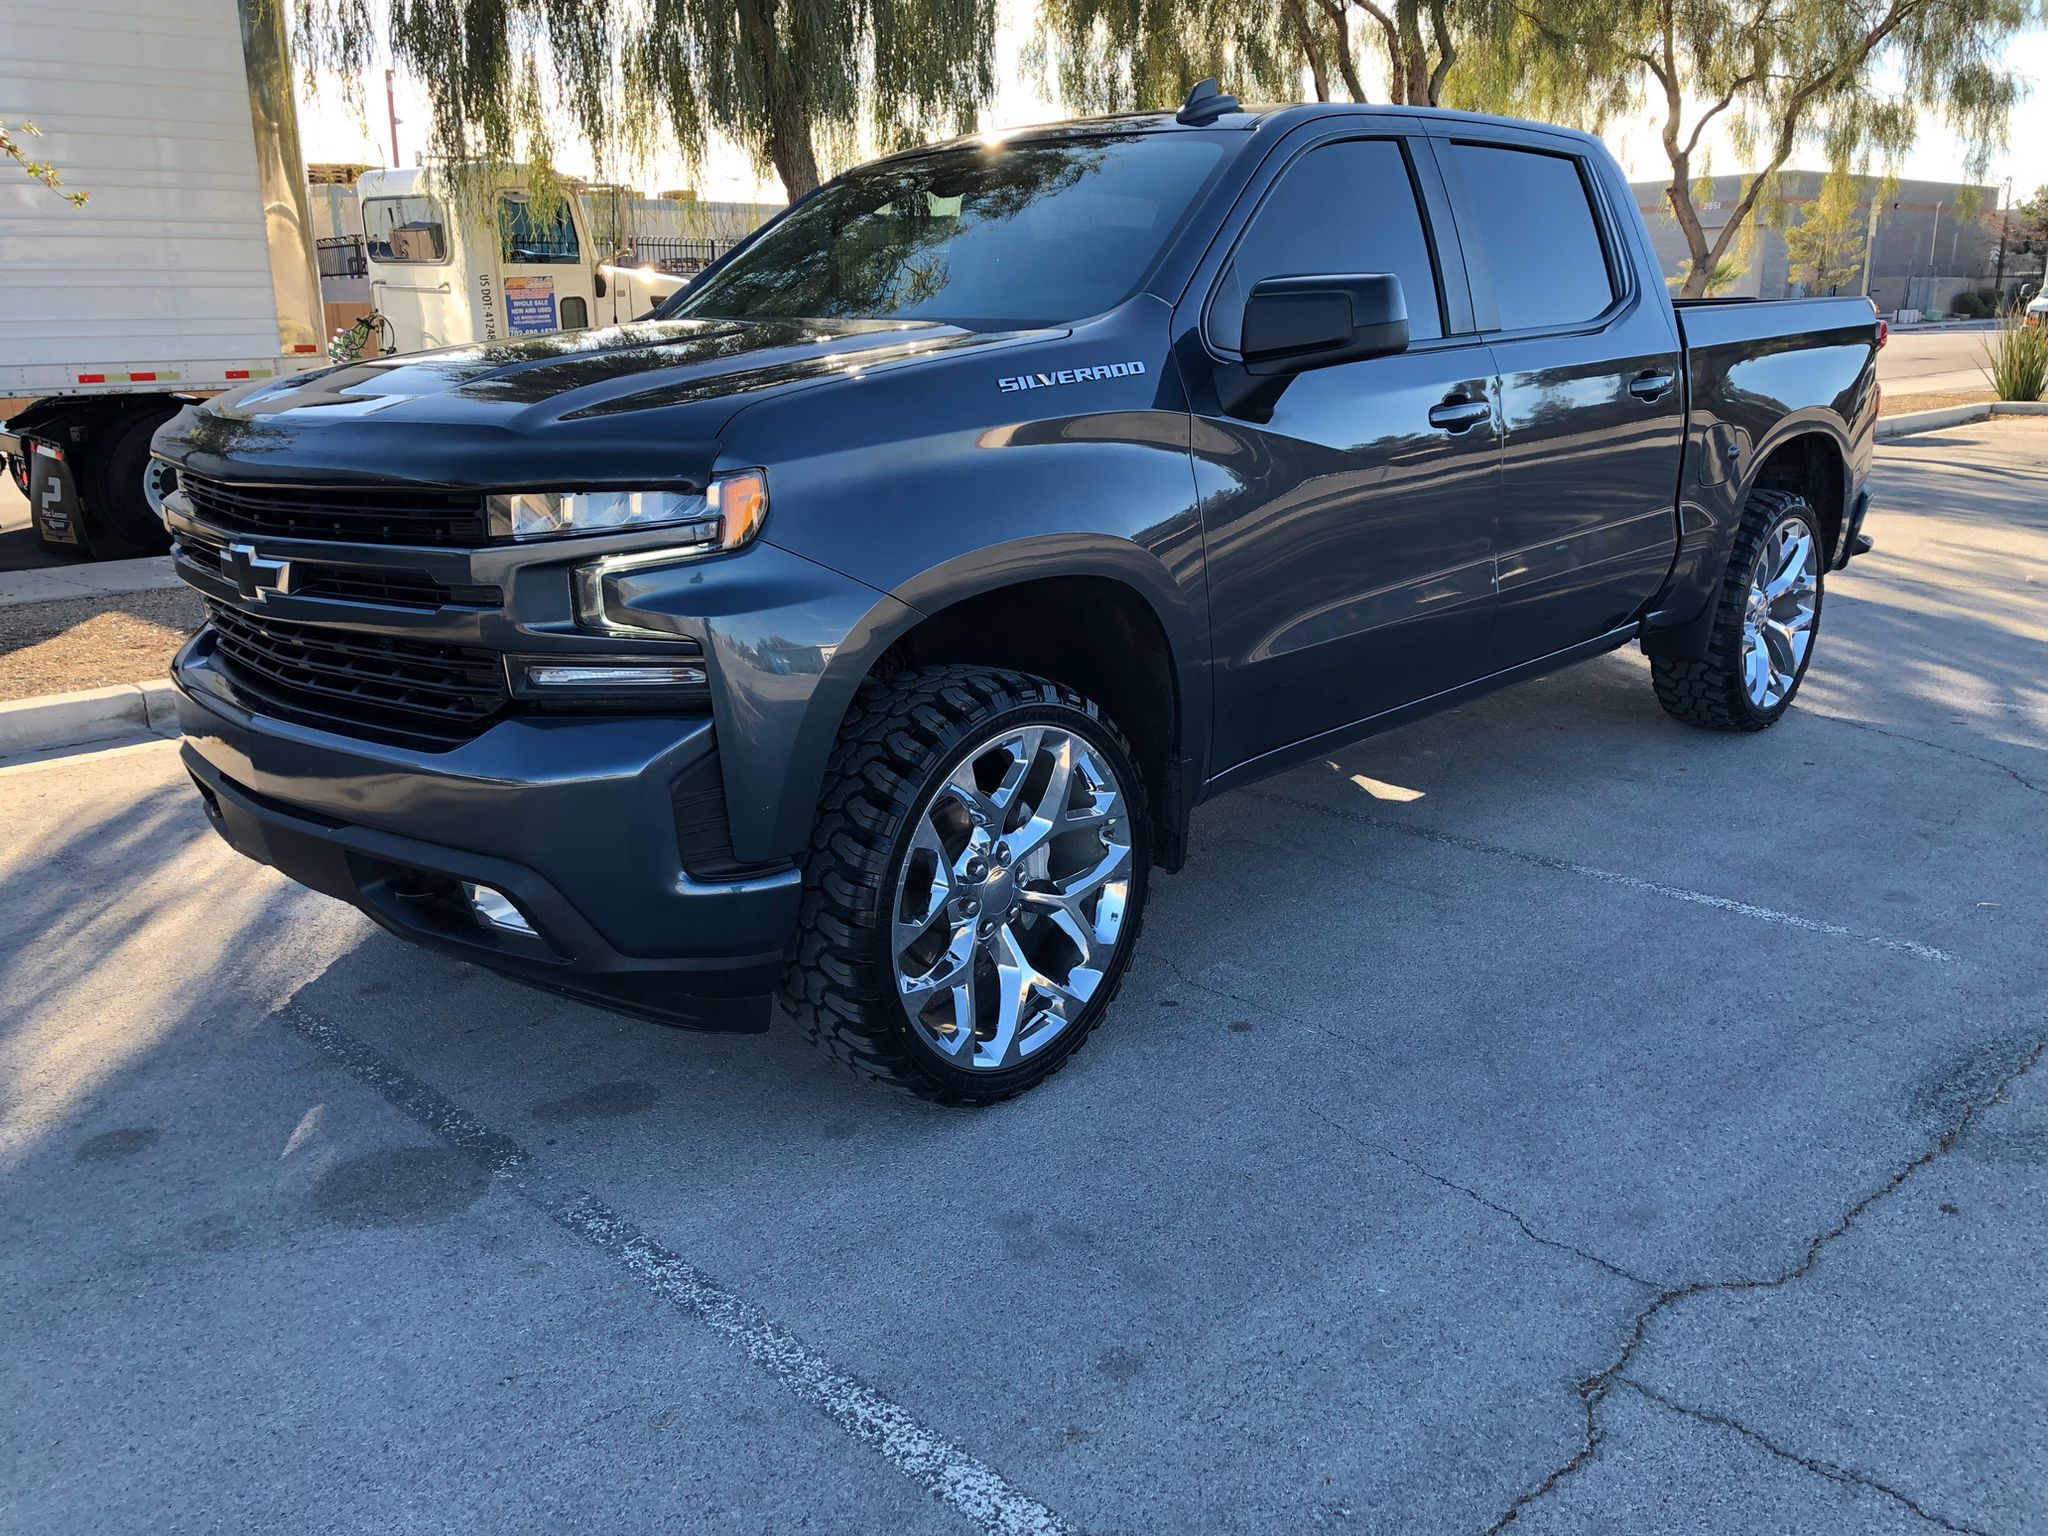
573	819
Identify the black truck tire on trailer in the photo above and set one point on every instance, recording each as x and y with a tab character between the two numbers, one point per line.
123	509
1716	690
907	738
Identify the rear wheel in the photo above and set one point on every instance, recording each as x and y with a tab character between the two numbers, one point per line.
974	885
1766	620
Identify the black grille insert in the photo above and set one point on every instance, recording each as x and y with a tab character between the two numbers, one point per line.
347	513
415	691
414	590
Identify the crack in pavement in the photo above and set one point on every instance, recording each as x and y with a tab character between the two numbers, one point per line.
1370	1145
1262	1005
1938	746
1594	1389
1384	1150
1565	866
1813	1464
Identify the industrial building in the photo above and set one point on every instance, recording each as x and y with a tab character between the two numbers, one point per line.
1926	242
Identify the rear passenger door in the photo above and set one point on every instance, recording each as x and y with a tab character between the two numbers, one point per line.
1590	396
1349	539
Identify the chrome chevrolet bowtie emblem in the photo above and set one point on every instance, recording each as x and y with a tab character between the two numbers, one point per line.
254	576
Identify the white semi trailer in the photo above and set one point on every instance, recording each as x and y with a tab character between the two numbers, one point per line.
190	269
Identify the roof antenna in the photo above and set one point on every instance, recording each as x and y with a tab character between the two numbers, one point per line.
1205	103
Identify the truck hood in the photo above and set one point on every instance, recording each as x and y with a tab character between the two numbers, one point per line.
639	404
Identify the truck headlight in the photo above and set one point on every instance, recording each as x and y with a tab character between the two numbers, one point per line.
727	515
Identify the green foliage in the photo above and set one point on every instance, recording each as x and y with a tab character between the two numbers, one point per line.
1826	246
1726	273
2016	361
1848	79
1115	55
789	81
39	170
1120	55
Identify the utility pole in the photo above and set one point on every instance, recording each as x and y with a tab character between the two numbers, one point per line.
391	107
2004	239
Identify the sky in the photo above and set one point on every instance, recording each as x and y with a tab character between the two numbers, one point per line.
330	133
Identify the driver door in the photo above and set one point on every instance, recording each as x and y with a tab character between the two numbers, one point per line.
546	277
1350	539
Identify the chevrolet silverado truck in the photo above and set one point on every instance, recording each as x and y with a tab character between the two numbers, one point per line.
863	625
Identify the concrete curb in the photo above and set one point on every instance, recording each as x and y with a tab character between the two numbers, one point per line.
107	578
81	719
1955	416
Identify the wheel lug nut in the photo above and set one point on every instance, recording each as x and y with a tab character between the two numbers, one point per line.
970	906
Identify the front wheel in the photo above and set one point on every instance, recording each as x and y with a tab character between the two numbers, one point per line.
1766	620
974	885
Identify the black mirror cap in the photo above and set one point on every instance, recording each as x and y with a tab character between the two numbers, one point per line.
1292	324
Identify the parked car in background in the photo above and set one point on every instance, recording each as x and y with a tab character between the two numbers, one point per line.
190	268
866	626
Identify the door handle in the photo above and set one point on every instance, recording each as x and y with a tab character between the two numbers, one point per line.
1458	414
1650	384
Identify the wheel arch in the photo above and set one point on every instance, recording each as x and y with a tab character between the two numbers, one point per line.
1811	458
1105	618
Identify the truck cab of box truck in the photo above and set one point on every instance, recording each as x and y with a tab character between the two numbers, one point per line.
457	266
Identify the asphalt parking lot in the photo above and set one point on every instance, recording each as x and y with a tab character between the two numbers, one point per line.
1547	1117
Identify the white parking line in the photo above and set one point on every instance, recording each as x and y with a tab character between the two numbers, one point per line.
937	1465
1629	882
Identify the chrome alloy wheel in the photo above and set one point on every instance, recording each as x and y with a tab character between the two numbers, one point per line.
1011	897
1777	624
158	481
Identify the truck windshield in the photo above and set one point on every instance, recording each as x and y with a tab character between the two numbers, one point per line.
990	239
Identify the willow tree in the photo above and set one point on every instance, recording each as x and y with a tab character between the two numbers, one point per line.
1113	54
1847	79
793	83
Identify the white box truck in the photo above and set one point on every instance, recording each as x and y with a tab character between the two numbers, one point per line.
190	269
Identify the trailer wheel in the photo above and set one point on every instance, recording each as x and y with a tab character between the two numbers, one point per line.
125	507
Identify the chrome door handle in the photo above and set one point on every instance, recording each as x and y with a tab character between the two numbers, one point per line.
1650	384
1457	414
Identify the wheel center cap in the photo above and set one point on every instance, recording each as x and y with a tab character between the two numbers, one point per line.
997	889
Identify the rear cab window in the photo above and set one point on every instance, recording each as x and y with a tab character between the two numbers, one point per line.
1350	206
405	229
1529	226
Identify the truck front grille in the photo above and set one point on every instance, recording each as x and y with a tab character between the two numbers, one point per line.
346	513
414	590
414	691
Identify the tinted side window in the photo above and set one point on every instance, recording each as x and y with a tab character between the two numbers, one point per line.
1536	235
1346	207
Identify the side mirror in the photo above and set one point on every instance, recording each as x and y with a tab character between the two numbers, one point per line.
1294	324
598	285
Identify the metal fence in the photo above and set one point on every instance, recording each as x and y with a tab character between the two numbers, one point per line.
342	258
676	255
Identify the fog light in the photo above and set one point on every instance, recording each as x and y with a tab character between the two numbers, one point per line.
494	909
542	674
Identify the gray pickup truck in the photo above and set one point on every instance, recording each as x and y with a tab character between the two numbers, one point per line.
865	624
